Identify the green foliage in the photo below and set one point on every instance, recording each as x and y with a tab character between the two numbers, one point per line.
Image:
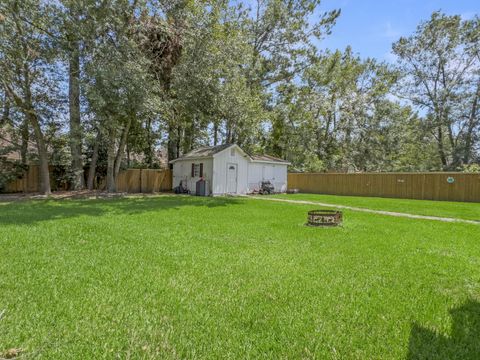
162	76
471	168
342	118
313	164
60	158
441	75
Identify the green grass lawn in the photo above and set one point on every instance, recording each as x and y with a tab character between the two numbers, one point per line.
460	210
186	277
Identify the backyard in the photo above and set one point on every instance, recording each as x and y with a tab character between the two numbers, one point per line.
191	277
449	209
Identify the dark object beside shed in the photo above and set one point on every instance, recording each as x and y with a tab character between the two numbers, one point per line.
266	187
201	188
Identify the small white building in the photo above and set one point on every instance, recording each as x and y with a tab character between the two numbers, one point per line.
227	169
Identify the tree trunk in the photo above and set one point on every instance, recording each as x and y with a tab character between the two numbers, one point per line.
42	153
78	180
441	151
178	142
189	135
472	122
93	164
111	186
121	148
278	132
454	149
24	144
148	150
228	137
6	111
171	145
215	134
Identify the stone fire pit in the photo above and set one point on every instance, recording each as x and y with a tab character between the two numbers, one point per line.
324	218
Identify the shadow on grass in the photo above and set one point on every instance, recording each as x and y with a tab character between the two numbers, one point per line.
29	212
463	342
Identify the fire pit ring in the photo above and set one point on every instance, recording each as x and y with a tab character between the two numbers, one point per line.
324	218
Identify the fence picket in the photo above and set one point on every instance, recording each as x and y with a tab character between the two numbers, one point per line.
130	180
422	186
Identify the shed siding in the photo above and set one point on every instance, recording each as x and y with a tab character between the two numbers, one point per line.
250	174
275	173
255	176
220	163
182	171
280	177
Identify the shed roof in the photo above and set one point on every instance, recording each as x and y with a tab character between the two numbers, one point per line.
203	152
209	151
268	158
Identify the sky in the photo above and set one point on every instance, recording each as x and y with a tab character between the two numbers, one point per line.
371	26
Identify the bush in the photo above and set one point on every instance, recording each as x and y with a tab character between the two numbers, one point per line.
471	168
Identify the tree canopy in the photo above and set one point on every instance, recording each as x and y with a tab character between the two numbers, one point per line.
93	87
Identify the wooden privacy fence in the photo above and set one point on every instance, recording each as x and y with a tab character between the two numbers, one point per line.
130	180
452	186
144	180
28	183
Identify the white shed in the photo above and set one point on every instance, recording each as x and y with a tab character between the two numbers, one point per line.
227	169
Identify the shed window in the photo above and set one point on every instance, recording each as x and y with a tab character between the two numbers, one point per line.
197	170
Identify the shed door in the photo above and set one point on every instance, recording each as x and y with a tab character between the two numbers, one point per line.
231	178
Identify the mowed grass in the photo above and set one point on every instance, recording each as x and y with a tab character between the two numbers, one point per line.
460	210
185	277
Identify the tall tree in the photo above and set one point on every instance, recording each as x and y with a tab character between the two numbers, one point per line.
283	36
340	117
213	98
441	65
160	37
26	64
73	30
120	86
